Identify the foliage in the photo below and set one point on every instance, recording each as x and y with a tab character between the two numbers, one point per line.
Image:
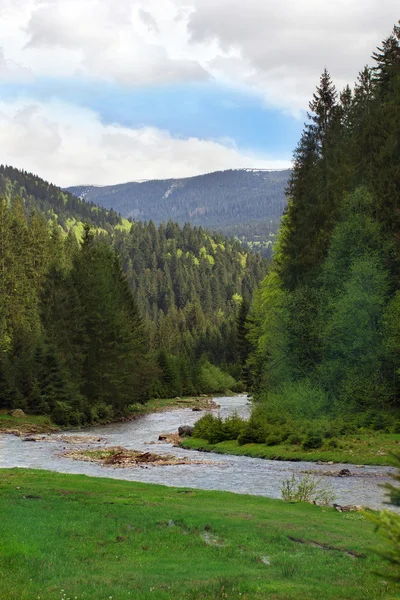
245	204
130	311
212	380
307	489
388	523
324	324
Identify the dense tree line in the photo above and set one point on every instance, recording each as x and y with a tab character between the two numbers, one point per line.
189	286
72	342
88	328
325	324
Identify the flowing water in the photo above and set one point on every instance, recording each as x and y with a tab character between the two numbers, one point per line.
239	474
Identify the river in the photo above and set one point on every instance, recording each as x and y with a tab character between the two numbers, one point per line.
238	474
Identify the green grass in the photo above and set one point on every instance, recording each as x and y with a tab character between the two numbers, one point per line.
26	424
165	404
71	536
372	448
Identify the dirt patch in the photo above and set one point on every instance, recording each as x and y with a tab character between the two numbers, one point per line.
352	553
122	457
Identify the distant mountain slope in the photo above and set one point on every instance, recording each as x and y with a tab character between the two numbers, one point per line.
220	200
40	196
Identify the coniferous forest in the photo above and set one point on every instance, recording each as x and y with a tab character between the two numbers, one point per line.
89	310
128	312
324	327
326	320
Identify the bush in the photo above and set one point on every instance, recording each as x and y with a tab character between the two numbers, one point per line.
273	440
61	413
332	444
312	441
300	400
239	387
306	489
381	422
252	434
294	439
215	430
233	427
211	379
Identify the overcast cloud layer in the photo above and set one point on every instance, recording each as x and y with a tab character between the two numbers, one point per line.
272	50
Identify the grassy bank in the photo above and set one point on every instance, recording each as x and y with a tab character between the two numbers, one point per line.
27	424
38	424
69	536
372	448
165	404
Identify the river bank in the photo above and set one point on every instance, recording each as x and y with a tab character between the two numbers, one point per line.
372	448
196	470
68	536
18	423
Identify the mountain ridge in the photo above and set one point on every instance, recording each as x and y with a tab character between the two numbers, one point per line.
244	203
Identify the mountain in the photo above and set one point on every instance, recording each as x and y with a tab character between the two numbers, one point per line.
243	203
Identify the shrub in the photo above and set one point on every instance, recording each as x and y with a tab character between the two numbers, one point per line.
312	440
333	443
294	439
239	387
214	429
105	411
380	422
306	489
203	426
251	434
300	400
211	379
233	427
273	440
389	524
61	413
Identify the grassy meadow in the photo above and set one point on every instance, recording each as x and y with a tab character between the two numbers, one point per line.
75	537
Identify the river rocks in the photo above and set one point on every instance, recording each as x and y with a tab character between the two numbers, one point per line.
18	413
348	508
196	409
169	438
185	430
124	457
29	439
344	473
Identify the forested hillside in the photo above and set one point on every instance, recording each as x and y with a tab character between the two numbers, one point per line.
325	323
129	311
48	199
326	320
221	201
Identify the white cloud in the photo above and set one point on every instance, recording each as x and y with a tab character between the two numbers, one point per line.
69	145
11	71
114	41
276	50
284	46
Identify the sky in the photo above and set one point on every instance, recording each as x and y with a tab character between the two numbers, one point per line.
108	91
